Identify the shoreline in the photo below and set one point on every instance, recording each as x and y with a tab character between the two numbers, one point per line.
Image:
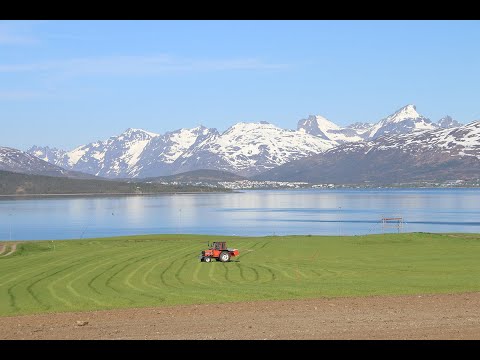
234	191
233	237
23	196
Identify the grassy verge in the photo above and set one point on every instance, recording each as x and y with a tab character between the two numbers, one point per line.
156	270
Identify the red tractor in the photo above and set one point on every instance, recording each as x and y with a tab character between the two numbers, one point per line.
218	251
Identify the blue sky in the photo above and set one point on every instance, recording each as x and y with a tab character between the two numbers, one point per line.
67	83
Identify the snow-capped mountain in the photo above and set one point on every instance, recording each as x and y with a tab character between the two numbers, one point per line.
160	154
325	129
111	158
18	161
403	121
428	155
250	148
463	141
447	122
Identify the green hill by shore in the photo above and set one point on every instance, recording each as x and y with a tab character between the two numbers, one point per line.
22	184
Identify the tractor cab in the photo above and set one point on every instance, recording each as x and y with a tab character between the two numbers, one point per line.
219	245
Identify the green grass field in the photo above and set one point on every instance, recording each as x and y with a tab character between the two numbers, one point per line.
157	270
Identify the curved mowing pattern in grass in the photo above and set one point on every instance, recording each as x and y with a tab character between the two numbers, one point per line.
77	275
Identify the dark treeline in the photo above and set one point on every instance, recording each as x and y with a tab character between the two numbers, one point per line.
22	184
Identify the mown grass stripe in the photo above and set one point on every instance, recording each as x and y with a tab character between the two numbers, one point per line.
29	265
97	262
167	254
36	282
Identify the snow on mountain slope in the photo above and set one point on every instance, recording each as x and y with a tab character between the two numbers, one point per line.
250	148
447	122
460	141
404	120
317	125
19	161
162	151
441	154
51	155
110	158
463	141
181	140
361	128
325	129
245	148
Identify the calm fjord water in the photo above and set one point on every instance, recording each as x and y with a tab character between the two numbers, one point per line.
250	213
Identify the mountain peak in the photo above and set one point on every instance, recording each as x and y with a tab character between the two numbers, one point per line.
447	122
248	126
325	124
316	125
404	120
320	126
407	112
130	131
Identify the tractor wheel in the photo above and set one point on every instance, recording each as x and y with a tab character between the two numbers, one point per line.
224	256
207	259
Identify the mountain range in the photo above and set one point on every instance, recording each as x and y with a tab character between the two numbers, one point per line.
317	150
433	155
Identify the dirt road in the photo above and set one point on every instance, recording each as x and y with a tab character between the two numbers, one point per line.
381	317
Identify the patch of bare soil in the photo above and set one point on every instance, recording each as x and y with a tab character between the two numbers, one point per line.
3	248
446	316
